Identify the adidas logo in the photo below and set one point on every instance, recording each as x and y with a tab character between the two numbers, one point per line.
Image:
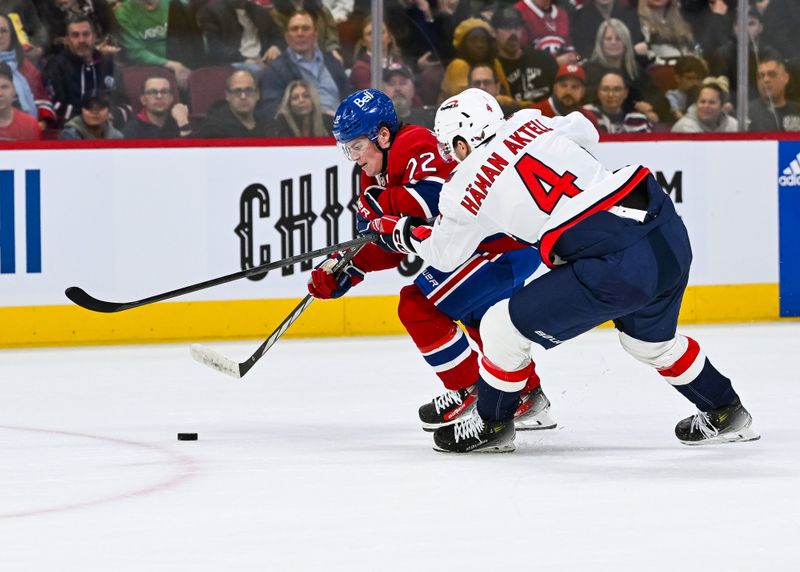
791	174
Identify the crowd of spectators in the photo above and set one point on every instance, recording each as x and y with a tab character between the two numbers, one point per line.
150	69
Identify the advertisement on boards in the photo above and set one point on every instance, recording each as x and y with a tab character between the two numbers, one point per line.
129	223
789	221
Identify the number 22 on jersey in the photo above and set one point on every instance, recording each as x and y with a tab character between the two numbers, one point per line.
544	184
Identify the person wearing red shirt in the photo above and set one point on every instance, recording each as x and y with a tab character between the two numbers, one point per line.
14	125
547	28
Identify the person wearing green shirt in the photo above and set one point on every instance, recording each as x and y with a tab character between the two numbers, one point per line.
143	35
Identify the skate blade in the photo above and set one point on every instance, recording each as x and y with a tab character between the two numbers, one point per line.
431	427
507	448
538	422
742	436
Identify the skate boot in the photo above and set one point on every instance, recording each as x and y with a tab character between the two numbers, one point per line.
533	412
474	435
722	425
448	408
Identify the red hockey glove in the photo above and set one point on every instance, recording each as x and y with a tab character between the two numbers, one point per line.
324	285
368	208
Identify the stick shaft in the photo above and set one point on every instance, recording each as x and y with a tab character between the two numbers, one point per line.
85	300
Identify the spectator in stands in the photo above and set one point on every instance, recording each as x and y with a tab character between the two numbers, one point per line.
665	31
93	122
475	44
31	32
772	111
398	84
568	93
587	20
710	22
161	117
339	9
56	14
781	23
547	28
723	60
299	113
143	28
530	72
360	73
324	24
706	115
614	52
483	77
31	95
689	73
239	32
303	59
81	68
235	117
424	35
612	116
14	124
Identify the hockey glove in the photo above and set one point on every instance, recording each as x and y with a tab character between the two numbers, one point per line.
324	285
368	208
396	232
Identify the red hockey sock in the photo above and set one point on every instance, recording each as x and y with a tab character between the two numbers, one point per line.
443	344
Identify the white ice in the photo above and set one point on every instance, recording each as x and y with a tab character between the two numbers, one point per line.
316	461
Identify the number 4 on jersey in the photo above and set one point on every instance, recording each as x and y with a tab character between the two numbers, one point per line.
544	184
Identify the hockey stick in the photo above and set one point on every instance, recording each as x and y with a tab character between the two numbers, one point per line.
215	360
83	299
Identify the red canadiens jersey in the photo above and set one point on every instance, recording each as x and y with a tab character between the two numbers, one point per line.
415	173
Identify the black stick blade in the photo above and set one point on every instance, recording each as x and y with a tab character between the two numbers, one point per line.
84	300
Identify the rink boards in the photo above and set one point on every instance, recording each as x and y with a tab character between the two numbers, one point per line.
126	222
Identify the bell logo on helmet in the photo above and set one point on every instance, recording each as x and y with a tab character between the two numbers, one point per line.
364	99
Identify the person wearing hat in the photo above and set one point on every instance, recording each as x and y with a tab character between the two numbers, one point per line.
568	93
530	72
475	44
93	122
398	84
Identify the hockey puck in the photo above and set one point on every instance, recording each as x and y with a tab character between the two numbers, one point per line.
187	436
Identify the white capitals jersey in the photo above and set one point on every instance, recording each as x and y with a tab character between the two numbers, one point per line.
533	181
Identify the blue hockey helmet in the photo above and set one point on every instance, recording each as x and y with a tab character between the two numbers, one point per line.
363	113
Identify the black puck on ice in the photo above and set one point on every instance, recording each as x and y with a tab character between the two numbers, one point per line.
187	436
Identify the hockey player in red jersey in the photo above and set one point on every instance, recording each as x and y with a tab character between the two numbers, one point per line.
402	174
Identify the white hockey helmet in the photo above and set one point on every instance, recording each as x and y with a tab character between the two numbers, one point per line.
472	114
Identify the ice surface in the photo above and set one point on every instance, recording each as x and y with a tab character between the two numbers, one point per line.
315	461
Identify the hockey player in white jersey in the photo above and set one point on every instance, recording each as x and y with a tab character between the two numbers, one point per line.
615	245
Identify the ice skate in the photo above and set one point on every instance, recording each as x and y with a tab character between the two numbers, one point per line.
533	412
474	435
723	425
448	408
